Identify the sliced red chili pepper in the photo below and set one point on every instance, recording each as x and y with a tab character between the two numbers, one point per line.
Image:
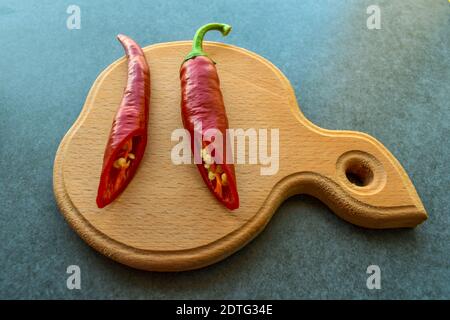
202	102
128	136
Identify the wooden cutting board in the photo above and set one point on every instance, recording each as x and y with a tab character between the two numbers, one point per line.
167	220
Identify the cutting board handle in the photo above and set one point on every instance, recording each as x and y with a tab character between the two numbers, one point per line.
360	180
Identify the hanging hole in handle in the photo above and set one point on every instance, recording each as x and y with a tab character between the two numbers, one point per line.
361	172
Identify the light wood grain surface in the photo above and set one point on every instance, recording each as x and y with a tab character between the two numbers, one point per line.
167	220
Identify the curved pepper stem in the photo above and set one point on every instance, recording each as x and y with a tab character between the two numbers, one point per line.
197	43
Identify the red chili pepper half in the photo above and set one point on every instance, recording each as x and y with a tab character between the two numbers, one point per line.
202	103
128	137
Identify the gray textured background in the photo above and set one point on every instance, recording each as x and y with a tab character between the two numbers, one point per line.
392	83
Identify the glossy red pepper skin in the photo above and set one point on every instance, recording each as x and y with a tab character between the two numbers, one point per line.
202	102
130	123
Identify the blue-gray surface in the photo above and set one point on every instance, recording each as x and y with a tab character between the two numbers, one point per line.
392	83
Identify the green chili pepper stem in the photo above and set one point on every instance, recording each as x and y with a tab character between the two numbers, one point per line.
197	43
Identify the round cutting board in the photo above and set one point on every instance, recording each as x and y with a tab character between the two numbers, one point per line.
167	219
